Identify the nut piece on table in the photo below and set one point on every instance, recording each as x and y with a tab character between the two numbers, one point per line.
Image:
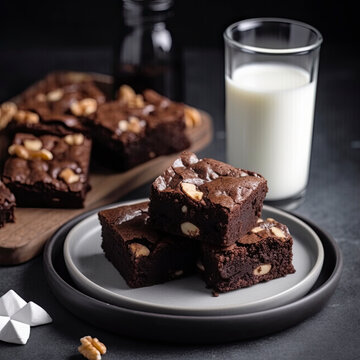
139	250
191	191
26	117
190	229
84	107
7	111
262	269
33	145
69	176
55	95
192	117
91	348
74	139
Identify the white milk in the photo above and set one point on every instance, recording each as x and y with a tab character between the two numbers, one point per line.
269	119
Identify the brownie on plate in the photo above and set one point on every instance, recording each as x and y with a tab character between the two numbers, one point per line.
142	255
48	171
7	205
207	200
138	127
57	106
265	253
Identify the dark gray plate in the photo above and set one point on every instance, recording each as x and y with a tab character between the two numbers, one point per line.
190	329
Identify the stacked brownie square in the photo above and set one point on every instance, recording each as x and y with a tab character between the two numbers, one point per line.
217	209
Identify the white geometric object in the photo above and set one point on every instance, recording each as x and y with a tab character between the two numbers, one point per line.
32	314
10	303
16	317
3	321
15	332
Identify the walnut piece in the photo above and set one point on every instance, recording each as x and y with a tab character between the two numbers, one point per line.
84	107
133	125
137	102
278	232
33	144
126	93
91	348
262	269
27	154
69	176
256	229
192	117
74	139
139	250
7	111
190	229
26	117
55	95
191	191
128	96
19	150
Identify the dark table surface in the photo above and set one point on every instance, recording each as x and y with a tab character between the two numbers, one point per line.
332	201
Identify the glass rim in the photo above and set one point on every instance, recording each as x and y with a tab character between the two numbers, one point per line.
263	50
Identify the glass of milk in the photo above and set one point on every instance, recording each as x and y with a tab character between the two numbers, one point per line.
271	68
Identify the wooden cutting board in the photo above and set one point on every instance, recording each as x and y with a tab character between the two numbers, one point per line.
24	239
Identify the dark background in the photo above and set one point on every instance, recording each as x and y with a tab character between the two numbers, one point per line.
48	27
37	37
198	22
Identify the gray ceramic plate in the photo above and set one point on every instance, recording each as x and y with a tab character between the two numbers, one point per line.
94	275
188	329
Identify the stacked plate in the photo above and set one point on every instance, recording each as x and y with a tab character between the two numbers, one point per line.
184	310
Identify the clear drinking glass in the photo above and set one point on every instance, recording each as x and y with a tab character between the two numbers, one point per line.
271	68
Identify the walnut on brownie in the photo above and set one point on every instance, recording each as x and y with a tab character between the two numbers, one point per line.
7	205
57	105
143	255
265	253
48	171
138	127
207	200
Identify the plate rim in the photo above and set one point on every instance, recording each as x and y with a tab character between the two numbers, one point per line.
84	283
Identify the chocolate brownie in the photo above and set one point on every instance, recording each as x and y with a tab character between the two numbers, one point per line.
57	106
142	255
7	205
207	200
130	132
265	253
48	171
